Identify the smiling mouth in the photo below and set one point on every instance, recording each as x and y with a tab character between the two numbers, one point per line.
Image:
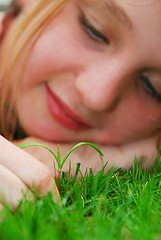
63	114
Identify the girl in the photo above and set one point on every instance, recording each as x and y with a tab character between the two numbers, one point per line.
77	70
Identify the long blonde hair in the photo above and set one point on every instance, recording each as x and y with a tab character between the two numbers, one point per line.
29	25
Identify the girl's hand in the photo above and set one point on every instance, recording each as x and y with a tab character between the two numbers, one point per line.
19	173
145	151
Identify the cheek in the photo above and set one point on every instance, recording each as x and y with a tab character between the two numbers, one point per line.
132	120
32	108
154	117
143	118
49	56
56	51
42	63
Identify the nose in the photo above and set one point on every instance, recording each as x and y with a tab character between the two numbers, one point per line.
102	86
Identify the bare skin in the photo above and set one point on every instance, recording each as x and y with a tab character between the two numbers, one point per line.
19	172
120	120
119	156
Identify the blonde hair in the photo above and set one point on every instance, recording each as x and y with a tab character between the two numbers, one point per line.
28	26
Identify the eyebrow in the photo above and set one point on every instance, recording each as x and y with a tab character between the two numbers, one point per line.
118	13
110	7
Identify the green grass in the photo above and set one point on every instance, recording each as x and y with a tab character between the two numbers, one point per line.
116	205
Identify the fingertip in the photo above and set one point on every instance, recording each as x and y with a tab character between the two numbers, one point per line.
47	184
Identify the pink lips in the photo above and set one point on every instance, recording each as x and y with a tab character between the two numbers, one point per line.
63	114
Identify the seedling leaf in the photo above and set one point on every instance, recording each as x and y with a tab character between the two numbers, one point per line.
80	144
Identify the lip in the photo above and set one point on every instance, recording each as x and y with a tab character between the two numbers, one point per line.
63	114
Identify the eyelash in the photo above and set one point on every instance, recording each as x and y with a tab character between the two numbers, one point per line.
91	31
150	89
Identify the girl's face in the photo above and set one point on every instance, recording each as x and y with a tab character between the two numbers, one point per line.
95	74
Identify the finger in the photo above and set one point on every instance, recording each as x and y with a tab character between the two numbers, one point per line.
27	168
42	154
12	189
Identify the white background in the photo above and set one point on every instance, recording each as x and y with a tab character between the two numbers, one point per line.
4	2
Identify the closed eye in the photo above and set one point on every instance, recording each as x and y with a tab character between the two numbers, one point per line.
91	31
150	89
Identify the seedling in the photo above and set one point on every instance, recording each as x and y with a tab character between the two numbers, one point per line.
58	157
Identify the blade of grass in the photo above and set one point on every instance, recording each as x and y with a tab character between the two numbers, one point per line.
80	144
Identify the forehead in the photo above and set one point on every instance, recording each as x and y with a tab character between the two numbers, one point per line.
141	2
117	6
146	18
